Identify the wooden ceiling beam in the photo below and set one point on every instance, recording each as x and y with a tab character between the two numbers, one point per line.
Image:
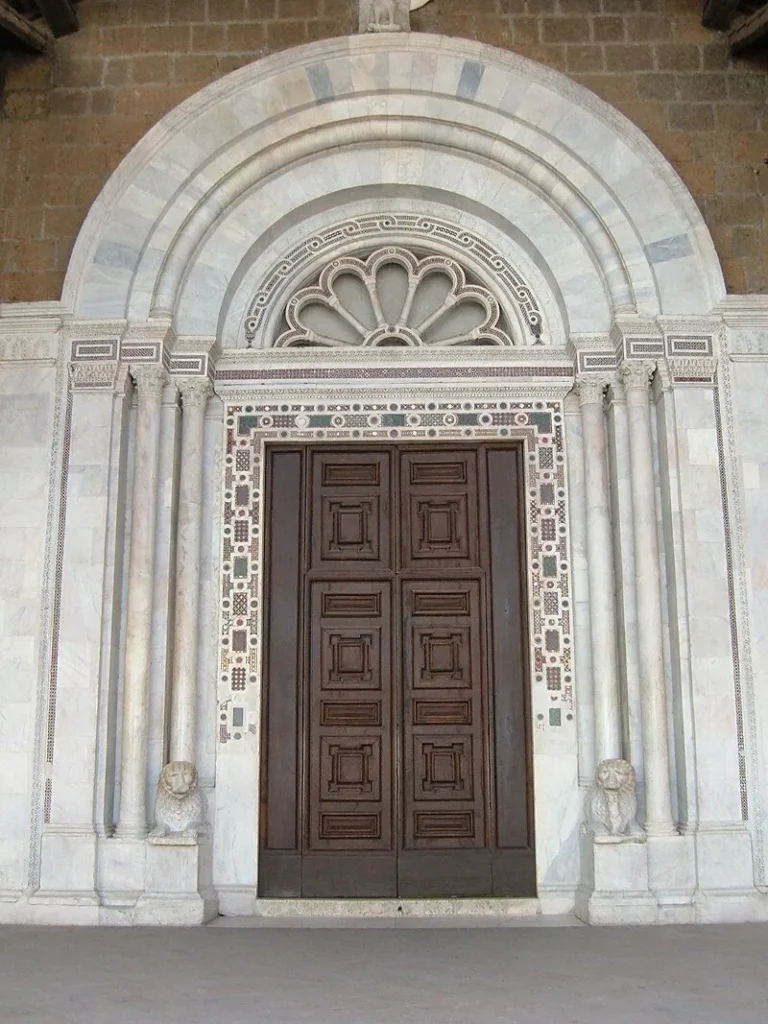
718	13
748	30
21	28
60	15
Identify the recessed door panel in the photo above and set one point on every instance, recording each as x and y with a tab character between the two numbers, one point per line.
396	736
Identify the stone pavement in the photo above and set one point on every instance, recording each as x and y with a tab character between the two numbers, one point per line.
385	973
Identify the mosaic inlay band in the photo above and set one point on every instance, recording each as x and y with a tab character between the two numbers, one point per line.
539	424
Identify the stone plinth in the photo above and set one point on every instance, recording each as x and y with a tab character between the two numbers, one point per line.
616	890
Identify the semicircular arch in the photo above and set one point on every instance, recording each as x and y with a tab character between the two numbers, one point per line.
592	196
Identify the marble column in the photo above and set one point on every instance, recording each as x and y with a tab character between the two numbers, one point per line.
194	397
132	823
636	378
602	587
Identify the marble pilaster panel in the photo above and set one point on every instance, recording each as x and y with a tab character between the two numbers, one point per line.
27	401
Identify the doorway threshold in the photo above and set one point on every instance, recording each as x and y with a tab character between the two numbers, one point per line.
488	912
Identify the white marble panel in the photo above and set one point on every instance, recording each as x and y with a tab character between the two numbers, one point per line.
709	628
82	598
26	422
750	386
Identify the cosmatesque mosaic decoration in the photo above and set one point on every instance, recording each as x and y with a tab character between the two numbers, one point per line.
538	423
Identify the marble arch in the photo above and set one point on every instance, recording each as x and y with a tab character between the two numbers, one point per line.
166	390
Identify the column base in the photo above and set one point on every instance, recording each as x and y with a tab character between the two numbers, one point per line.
615	888
672	876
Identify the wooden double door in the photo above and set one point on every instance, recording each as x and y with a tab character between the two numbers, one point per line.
395	743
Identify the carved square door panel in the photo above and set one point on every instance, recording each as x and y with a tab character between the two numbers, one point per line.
396	738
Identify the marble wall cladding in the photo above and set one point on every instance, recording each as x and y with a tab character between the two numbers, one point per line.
750	386
706	594
84	560
27	396
675	609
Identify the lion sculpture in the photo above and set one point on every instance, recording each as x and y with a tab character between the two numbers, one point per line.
614	799
180	805
384	15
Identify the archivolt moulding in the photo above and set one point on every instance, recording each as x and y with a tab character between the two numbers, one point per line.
599	206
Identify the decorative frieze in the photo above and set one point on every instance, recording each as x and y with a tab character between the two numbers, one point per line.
93	376
690	370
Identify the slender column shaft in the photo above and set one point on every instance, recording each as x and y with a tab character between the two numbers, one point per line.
194	396
150	381
602	588
658	805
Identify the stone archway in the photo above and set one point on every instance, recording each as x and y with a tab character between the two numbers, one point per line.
569	223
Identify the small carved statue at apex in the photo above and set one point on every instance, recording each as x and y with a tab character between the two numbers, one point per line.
384	15
180	804
614	800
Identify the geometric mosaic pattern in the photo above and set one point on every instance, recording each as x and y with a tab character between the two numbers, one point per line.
538	423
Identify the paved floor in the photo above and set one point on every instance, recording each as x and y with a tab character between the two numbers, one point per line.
396	975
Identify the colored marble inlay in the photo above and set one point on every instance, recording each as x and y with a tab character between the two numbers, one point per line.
537	423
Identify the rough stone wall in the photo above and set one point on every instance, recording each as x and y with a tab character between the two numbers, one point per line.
68	117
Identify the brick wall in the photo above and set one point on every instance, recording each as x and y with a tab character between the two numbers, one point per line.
67	118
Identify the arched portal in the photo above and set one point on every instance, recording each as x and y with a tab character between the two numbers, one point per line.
351	283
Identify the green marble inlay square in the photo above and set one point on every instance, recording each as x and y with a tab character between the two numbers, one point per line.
393	419
542	421
467	419
246	424
239	568
549	565
319	421
555	716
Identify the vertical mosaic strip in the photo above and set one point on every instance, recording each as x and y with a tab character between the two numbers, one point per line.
539	424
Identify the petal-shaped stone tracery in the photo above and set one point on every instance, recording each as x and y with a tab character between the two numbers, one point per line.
393	299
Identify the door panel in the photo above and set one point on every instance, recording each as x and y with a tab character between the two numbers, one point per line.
396	746
440	504
350	714
350	511
443	736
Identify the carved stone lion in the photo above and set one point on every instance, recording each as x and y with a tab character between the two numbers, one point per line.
179	805
384	16
614	800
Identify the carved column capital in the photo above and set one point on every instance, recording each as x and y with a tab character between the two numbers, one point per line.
195	391
636	375
149	380
591	388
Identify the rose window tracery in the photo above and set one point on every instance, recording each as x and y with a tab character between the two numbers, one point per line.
392	299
